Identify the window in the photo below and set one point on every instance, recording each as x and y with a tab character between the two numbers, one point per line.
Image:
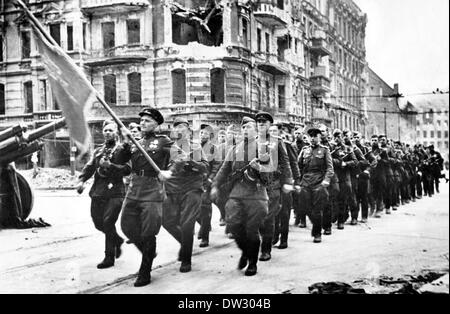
418	133
258	88
267	93
446	145
245	32
69	37
55	32
2	100
281	97
179	86
84	36
108	35
1	48
280	4
43	95
134	31
424	134
267	42
445	134
26	44
134	88
217	86
259	39
439	144
439	134
109	87
28	96
432	134
244	88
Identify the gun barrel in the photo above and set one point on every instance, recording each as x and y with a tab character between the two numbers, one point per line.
46	129
9	145
12	156
10	132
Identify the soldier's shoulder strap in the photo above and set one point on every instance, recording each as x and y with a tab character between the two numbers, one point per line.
324	146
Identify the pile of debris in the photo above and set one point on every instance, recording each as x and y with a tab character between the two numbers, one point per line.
51	179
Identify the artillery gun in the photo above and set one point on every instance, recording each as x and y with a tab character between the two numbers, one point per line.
16	195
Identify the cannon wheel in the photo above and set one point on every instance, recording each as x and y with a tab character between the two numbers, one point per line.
26	196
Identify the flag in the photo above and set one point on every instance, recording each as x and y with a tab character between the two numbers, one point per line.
72	90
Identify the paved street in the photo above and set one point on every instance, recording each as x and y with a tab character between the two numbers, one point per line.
63	258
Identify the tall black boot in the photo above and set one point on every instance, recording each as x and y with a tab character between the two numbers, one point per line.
252	252
108	261
283	241
266	248
241	243
144	276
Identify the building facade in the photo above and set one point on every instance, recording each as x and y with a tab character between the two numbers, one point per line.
207	60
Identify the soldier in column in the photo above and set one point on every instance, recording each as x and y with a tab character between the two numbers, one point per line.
282	219
344	161
209	150
184	190
247	170
282	179
143	205
387	154
355	173
437	166
332	207
299	208
362	195
316	168
109	167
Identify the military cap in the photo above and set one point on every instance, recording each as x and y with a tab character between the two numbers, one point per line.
374	136
205	126
246	120
356	133
108	122
313	131
346	131
179	121
222	132
322	127
337	132
262	115
382	135
153	113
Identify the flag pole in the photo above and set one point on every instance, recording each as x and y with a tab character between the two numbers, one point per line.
40	28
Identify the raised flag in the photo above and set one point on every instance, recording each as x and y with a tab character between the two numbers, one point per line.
72	90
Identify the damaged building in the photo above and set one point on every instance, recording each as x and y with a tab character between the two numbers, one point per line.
207	60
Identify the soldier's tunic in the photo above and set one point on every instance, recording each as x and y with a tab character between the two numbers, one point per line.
107	192
380	179
247	205
363	191
184	196
315	166
437	166
331	210
356	172
142	208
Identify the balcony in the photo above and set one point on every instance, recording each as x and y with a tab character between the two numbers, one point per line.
269	14
118	55
100	7
319	44
320	115
36	117
272	63
319	81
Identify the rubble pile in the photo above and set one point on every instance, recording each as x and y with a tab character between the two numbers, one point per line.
49	178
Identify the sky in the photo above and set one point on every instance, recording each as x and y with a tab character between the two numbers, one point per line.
407	42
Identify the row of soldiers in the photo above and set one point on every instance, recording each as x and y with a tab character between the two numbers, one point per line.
255	176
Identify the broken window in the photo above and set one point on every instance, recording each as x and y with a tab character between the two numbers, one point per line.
281	97
109	87
197	23
134	31
26	45
28	96
134	88
179	86
2	99
69	37
108	35
218	86
55	32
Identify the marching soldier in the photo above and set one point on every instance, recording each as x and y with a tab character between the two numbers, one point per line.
209	150
184	191
316	168
387	153
142	208
282	219
299	209
344	161
247	173
355	174
281	180
108	167
437	166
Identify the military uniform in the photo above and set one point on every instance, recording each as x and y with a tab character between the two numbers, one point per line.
331	210
299	208
247	205
107	195
316	168
143	205
362	195
184	197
